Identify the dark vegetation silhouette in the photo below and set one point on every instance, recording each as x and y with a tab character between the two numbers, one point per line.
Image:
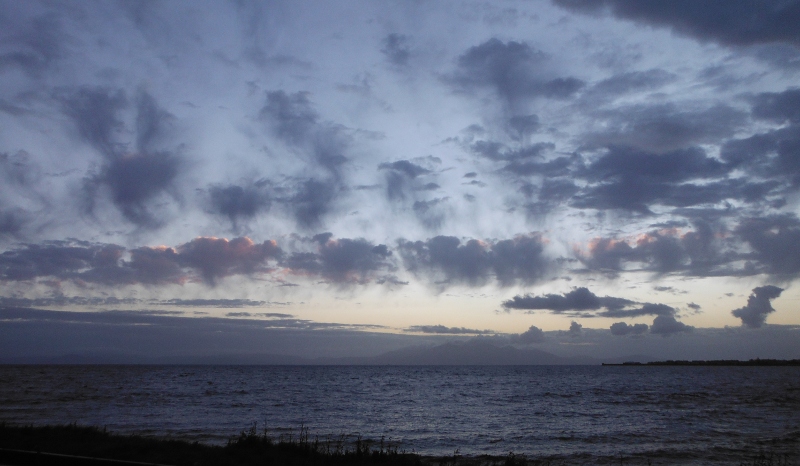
71	444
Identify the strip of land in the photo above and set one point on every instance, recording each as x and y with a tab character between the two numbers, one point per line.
717	362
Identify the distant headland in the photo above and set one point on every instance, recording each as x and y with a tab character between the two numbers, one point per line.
715	362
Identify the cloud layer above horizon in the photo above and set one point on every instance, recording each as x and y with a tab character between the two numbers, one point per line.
570	159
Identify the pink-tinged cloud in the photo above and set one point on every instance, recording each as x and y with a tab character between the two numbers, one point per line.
215	258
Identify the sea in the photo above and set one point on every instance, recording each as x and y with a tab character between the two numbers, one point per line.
561	414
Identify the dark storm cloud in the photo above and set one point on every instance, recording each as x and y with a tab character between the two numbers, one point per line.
729	22
634	195
150	266
622	328
443	330
522	126
239	202
758	306
582	302
342	261
291	116
633	180
557	190
579	299
575	329
667	325
774	241
774	155
751	152
293	119
559	166
676	166
697	252
400	177
132	175
447	261
512	70
646	309
217	258
59	259
95	113
312	200
32	44
11	222
396	49
779	107
133	180
210	258
665	127
152	123
405	167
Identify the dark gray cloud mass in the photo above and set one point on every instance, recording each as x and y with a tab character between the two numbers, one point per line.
668	325
512	69
211	258
342	261
773	241
32	43
293	119
579	299
447	261
582	302
730	22
134	172
239	203
400	176
396	49
634	180
758	306
622	328
291	116
665	127
313	199
779	107
699	252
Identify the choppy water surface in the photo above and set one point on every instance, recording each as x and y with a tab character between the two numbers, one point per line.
581	414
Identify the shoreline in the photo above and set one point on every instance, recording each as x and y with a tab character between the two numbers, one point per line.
74	444
714	362
87	445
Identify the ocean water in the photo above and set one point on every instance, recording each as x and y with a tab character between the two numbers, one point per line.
573	414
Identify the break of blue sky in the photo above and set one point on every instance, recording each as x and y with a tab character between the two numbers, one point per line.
449	168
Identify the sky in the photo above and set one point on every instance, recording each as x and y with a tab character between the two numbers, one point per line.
608	177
